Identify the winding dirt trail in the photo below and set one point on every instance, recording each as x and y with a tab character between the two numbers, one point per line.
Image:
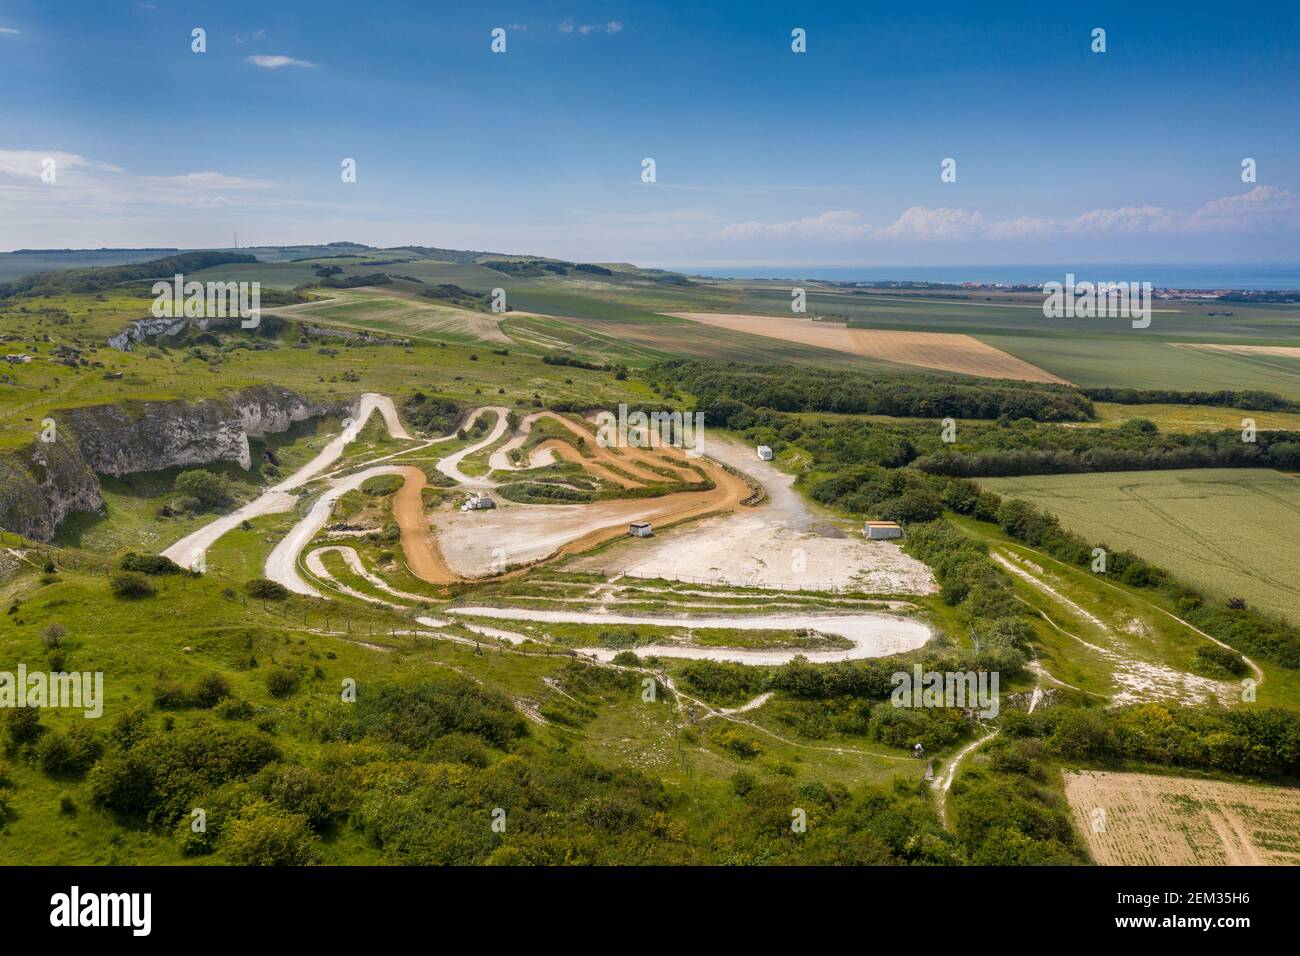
277	499
943	781
316	565
450	466
637	465
873	634
423	555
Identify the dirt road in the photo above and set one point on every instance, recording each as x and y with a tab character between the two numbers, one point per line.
277	498
872	634
450	466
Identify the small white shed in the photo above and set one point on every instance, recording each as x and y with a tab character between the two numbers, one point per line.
882	530
639	529
764	453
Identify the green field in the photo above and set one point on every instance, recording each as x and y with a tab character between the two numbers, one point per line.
1229	532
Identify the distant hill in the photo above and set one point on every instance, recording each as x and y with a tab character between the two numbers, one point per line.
17	268
99	278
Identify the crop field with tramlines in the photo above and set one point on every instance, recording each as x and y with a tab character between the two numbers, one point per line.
1228	531
1139	819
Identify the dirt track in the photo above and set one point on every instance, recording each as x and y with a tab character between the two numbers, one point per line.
423	556
277	498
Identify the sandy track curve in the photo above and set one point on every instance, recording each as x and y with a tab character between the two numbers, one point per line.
276	499
638	464
316	565
450	466
872	634
423	556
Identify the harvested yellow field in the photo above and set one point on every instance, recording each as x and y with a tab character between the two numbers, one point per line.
1138	819
1284	351
946	351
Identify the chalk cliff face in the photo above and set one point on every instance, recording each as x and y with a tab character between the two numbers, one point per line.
44	482
142	329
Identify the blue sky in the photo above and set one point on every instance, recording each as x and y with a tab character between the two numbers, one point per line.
763	156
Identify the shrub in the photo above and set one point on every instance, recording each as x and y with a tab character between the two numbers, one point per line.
282	681
381	485
233	709
71	753
52	635
158	779
208	488
210	690
266	590
149	564
22	724
1219	661
207	692
415	715
130	585
263	835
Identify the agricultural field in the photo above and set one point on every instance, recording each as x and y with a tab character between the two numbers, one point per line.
1194	418
1230	532
944	351
1138	819
633	316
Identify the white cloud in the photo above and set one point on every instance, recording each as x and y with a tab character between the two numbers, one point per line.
276	62
87	188
210	180
1262	208
10	31
28	163
611	26
242	38
923	222
833	224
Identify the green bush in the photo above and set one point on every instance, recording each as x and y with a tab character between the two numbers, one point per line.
264	835
282	681
149	564
68	753
208	488
161	776
130	585
265	590
381	485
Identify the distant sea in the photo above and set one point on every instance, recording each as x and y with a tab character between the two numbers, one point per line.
1160	275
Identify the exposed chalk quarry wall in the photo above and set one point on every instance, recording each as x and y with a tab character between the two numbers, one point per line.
42	483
